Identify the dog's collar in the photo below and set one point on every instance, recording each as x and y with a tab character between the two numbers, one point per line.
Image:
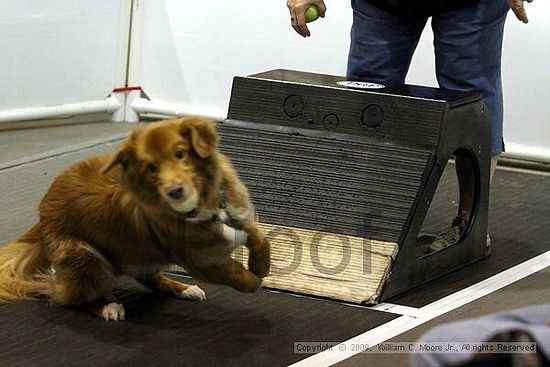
221	217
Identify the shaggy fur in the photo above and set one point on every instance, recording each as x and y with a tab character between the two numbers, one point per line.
136	212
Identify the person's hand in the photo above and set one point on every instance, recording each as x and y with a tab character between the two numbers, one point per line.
518	8
298	14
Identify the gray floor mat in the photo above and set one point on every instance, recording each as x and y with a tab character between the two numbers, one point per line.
18	144
235	329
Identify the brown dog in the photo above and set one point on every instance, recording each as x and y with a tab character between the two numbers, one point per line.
152	204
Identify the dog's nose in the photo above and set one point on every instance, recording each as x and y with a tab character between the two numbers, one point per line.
175	192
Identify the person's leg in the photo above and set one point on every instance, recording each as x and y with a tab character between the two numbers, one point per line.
465	175
382	44
468	49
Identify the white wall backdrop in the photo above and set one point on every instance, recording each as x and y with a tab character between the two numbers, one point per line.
58	52
193	48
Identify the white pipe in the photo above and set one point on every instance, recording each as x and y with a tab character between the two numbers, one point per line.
532	153
143	105
108	105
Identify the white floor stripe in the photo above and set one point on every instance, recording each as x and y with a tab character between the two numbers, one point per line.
404	323
396	309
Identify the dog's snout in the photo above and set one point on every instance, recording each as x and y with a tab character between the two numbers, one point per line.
175	192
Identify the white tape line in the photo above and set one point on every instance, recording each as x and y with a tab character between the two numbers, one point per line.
397	309
404	323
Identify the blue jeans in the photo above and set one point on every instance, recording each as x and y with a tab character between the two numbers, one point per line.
468	49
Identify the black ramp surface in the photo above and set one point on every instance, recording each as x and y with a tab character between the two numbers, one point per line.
322	181
229	329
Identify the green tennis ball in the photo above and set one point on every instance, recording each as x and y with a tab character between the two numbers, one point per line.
312	14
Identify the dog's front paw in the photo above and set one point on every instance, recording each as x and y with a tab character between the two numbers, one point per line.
193	293
259	261
113	311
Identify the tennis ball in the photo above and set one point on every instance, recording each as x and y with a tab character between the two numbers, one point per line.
312	14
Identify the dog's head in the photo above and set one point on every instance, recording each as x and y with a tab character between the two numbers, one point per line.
172	166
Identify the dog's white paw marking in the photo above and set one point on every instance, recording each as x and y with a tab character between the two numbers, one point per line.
113	311
193	293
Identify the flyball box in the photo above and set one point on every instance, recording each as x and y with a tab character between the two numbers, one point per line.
342	175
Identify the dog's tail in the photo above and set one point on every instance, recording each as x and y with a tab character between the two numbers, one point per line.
23	268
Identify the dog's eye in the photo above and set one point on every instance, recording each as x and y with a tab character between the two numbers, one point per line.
152	168
180	154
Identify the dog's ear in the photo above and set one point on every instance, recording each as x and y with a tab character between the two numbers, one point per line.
123	155
202	134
